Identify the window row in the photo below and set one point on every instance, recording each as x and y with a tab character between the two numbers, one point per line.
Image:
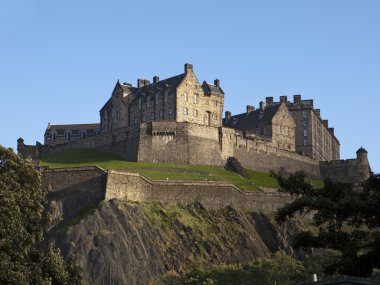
195	97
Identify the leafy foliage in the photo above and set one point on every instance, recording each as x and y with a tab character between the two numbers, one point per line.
22	224
347	221
265	271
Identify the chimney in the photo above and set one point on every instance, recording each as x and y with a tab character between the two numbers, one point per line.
146	82
156	79
140	82
188	67
250	108
331	130
269	101
217	82
284	99
326	122
262	105
227	115
318	111
297	99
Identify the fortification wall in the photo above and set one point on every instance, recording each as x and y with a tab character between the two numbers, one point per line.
260	154
122	185
186	143
72	190
349	170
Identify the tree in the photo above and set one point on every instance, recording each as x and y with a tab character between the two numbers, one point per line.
22	225
347	221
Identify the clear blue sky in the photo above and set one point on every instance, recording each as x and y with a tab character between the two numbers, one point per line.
59	60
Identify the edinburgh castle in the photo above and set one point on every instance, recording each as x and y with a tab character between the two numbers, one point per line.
180	120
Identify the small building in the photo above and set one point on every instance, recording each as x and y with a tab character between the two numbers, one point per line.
59	134
344	280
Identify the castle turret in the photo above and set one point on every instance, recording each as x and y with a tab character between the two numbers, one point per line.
20	145
362	155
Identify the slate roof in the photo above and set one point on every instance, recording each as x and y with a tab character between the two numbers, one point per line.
344	280
208	88
254	119
72	127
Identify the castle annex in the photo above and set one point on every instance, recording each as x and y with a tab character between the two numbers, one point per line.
179	120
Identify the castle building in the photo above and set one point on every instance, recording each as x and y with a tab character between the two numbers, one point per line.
310	137
58	134
273	122
179	120
180	98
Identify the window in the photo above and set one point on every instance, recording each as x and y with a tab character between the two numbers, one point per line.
54	137
305	142
305	133
195	113
185	111
304	114
148	101
156	98
139	103
161	114
143	118
196	98
135	120
305	123
216	103
165	96
185	96
215	116
170	111
152	116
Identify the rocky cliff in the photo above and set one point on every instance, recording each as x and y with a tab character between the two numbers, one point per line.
121	242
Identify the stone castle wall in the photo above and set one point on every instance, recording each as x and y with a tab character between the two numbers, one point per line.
73	190
188	143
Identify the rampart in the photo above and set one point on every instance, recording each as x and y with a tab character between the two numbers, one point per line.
72	190
189	143
212	194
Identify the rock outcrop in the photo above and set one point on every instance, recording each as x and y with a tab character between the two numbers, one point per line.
119	242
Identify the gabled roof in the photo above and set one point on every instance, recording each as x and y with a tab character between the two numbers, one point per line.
208	88
253	119
169	83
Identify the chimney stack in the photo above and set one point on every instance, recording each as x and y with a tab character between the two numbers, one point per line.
217	82
156	79
269	101
146	82
227	115
284	99
331	130
188	68
262	105
140	82
318	111
326	122
297	99
250	108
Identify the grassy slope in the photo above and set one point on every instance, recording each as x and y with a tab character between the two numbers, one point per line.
158	171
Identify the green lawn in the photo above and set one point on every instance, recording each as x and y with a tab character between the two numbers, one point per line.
159	171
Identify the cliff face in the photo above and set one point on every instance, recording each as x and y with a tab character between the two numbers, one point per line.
118	242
